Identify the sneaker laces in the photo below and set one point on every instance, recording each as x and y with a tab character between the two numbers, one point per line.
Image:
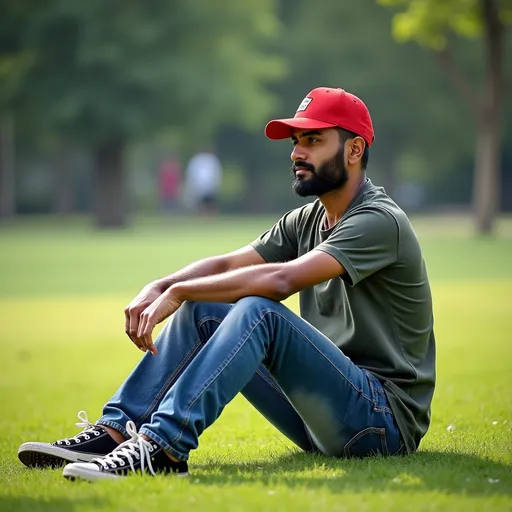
135	448
87	429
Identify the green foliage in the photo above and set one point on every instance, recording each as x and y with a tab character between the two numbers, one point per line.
126	69
15	61
13	70
430	21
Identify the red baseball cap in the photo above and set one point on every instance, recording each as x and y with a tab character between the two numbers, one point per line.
325	107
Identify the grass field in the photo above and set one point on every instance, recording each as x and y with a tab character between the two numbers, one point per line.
63	287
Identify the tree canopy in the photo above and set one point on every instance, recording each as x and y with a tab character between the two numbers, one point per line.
433	23
127	68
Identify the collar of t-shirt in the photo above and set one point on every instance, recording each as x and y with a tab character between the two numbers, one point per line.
357	200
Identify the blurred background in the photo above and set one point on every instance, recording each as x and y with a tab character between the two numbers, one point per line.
112	109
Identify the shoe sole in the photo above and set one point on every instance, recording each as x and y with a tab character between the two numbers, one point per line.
43	455
73	473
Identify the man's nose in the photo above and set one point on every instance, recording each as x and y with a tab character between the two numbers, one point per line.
298	153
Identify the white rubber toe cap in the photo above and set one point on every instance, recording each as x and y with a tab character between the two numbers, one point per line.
86	471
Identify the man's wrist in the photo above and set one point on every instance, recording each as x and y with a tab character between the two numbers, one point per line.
162	284
174	291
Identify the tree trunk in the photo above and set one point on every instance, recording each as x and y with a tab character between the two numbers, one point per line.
63	184
109	187
7	190
487	176
488	145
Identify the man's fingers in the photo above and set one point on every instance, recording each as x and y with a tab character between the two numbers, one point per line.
141	333
127	329
134	322
127	321
146	327
133	327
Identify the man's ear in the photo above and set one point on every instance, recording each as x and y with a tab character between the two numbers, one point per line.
356	150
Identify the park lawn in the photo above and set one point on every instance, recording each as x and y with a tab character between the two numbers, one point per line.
62	291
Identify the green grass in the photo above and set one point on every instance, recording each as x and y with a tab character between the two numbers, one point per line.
63	288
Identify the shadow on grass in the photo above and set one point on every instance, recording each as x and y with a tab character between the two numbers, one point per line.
449	473
22	504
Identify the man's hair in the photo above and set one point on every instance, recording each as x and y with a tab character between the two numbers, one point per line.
345	135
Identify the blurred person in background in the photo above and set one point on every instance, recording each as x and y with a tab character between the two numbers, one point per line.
352	376
204	179
169	184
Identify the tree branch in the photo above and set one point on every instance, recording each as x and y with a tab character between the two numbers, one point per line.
459	82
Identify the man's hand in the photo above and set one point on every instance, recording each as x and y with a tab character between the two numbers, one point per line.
132	312
161	308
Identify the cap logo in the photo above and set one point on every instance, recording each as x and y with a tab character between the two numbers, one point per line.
304	104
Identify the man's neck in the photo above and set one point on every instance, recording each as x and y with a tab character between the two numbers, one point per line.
337	201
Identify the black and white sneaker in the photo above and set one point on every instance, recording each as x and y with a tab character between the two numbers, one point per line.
133	456
93	441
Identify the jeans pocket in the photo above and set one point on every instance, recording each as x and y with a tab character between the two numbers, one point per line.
369	441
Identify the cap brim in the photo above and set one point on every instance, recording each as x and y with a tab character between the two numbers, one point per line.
282	128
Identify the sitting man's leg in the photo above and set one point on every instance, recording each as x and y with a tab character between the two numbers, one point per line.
178	343
344	407
139	396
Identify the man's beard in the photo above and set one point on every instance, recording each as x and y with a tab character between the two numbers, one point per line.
331	175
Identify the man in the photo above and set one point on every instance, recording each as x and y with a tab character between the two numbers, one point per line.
204	179
353	377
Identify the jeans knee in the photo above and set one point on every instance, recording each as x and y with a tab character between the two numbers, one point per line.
188	308
195	312
186	312
253	303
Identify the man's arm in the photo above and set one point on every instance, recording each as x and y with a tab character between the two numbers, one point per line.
275	281
359	247
213	265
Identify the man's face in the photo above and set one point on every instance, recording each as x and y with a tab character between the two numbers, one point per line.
318	162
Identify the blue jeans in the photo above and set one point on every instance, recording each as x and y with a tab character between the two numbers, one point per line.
295	376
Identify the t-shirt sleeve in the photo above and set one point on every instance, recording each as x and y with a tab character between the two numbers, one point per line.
364	243
280	243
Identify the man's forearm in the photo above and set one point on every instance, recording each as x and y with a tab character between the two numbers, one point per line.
266	280
205	267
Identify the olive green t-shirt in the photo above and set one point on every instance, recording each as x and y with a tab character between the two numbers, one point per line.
379	311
